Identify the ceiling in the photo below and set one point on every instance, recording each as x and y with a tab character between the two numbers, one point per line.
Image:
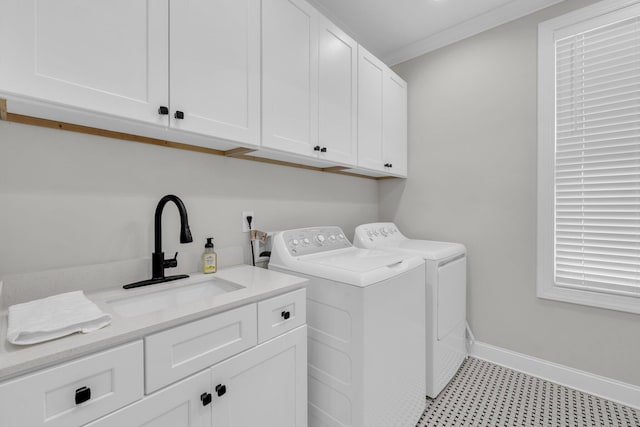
398	30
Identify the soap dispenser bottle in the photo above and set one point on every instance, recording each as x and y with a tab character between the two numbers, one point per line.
209	257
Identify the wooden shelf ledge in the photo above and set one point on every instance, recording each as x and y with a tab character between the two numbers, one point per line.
236	153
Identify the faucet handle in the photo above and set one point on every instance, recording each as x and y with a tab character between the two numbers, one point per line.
171	263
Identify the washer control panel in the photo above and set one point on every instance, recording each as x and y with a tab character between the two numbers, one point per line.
306	241
370	235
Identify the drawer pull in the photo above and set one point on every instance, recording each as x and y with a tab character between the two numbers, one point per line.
221	389
205	398
82	395
285	315
163	111
179	115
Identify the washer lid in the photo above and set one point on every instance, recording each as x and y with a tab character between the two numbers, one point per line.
429	249
357	267
386	236
355	260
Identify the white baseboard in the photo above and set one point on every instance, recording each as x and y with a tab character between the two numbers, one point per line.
607	388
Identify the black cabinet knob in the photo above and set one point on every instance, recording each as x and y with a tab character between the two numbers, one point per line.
316	148
179	115
163	110
82	395
323	150
205	398
285	315
388	165
221	389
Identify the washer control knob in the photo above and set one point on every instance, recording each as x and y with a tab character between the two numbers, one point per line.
320	238
332	238
384	231
305	241
295	242
340	236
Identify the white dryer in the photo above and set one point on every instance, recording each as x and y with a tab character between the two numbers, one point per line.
446	288
366	328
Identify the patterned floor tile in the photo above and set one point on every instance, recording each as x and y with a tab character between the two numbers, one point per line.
483	394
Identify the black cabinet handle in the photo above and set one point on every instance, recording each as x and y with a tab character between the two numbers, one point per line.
179	115
323	150
221	389
316	148
82	395
163	111
388	165
205	398
285	315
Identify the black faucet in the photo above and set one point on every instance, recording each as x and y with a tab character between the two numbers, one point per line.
158	263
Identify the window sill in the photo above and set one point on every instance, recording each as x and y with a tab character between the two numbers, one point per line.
623	303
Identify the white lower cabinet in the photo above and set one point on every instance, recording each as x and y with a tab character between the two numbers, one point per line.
211	372
178	405
264	386
76	392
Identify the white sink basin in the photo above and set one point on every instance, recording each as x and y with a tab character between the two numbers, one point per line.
171	298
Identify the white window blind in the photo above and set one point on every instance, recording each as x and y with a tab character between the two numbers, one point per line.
597	158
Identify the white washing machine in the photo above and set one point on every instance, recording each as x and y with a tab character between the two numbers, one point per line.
366	328
446	289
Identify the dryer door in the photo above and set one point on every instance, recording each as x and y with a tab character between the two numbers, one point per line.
452	288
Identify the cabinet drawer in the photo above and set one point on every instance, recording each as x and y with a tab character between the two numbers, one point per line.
48	397
281	314
178	352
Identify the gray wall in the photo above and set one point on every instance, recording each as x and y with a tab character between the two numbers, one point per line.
68	199
472	179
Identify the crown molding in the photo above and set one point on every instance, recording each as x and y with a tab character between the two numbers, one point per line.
491	19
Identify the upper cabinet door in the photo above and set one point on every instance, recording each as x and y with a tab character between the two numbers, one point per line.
395	124
215	68
105	56
382	117
289	76
338	91
371	73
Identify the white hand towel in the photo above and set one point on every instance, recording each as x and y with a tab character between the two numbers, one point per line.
54	317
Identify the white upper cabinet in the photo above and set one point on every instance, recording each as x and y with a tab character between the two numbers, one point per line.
382	117
370	110
338	94
215	68
108	57
289	76
120	58
394	131
309	72
275	75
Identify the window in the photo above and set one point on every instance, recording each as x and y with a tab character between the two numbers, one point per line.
589	156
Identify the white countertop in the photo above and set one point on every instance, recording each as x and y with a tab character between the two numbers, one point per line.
257	284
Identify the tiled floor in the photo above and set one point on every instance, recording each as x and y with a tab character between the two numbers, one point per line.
484	394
